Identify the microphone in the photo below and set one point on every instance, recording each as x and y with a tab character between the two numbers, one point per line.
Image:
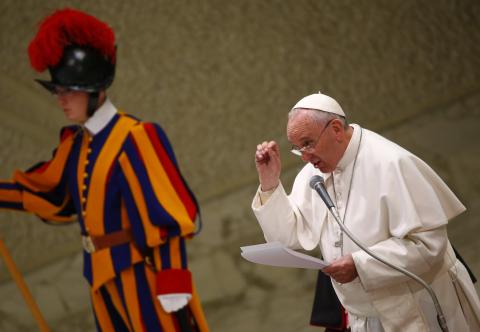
318	184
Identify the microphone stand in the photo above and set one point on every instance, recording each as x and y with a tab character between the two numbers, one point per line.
440	316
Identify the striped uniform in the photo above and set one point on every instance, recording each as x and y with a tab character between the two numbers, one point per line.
124	177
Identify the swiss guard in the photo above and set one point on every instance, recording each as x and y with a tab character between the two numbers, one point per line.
118	177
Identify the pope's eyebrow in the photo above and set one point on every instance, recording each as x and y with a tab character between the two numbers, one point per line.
303	139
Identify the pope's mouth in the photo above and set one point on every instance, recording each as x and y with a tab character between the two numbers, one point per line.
320	166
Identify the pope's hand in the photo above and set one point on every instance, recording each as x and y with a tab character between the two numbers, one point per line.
342	270
267	161
174	302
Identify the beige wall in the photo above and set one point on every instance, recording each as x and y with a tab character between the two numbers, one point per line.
220	76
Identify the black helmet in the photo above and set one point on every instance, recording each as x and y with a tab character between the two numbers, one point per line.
81	68
79	51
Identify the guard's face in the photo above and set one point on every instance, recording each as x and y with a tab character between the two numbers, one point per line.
316	141
74	104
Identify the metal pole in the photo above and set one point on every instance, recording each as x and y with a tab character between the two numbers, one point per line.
27	296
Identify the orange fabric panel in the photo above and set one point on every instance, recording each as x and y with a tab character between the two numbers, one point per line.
103	271
51	176
175	259
82	158
45	209
10	195
99	175
136	256
130	292
101	311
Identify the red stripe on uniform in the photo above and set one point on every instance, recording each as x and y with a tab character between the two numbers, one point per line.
172	171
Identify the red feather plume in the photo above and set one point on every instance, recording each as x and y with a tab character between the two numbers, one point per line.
66	27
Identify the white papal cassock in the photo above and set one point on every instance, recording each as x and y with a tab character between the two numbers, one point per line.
397	206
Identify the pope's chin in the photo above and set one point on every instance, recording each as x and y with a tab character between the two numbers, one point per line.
323	168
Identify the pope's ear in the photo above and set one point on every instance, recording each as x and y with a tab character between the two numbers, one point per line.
337	126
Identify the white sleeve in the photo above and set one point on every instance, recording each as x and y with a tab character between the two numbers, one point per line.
292	220
276	217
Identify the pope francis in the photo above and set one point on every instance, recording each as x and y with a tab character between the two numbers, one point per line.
390	199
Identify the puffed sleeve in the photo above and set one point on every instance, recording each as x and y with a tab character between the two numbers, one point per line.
43	189
161	208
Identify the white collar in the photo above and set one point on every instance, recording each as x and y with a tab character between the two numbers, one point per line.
101	117
350	153
352	148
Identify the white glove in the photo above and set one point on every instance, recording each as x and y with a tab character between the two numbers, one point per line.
174	302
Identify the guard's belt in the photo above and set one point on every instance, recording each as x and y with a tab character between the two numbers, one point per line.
94	243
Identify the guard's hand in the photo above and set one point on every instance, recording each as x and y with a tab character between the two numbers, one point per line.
342	270
267	161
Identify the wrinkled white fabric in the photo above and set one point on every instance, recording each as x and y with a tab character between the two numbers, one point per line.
174	302
364	324
399	208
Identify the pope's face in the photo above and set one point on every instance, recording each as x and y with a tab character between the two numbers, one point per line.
74	105
319	141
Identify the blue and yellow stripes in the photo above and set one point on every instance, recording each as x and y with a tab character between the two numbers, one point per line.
11	194
124	177
128	303
165	155
43	188
166	207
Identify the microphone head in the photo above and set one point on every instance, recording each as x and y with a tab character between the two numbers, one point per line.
316	179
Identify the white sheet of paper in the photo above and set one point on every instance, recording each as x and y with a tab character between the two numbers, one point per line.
276	254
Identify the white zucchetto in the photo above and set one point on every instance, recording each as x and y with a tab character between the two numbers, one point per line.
321	102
